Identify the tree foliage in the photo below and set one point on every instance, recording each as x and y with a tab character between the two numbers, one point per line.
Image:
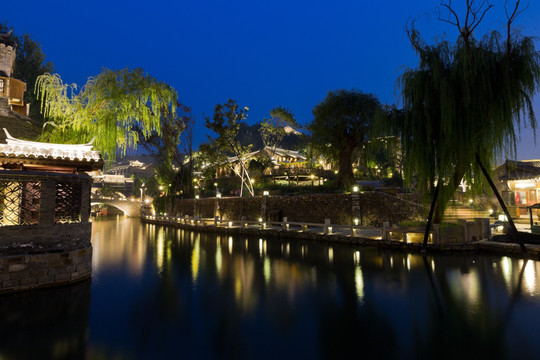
109	107
465	101
341	125
226	123
272	130
171	148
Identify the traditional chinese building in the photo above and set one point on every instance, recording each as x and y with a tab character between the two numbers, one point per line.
13	109
519	184
45	230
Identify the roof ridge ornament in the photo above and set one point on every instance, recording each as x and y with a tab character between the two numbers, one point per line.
14	141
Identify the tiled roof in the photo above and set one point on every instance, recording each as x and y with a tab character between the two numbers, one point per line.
19	150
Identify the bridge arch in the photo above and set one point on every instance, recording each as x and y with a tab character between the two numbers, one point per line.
128	207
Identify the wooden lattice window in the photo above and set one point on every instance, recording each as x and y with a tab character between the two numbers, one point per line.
68	203
19	202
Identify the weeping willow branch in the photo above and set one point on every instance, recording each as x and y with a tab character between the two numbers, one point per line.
109	106
464	99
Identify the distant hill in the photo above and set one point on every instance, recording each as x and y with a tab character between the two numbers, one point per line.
249	134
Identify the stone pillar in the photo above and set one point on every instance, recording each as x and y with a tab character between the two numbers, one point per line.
47	202
85	201
355	209
463	224
327	227
284	225
386	226
264	213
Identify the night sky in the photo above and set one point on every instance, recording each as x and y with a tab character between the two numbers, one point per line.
262	53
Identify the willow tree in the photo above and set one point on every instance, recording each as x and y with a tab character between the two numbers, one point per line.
465	104
110	107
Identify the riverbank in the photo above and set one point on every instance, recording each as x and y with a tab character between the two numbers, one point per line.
357	236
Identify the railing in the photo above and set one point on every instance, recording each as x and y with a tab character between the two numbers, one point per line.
12	88
401	234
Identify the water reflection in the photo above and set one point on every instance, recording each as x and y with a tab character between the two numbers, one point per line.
117	242
45	324
200	295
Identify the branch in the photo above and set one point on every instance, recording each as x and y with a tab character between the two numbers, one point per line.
475	25
511	19
452	12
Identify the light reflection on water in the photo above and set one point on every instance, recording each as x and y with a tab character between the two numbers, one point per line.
169	293
339	298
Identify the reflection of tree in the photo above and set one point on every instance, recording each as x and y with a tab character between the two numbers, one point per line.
455	326
45	324
347	329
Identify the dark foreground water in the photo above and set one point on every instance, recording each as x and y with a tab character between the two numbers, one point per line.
163	293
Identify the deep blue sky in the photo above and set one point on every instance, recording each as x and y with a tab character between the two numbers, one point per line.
261	53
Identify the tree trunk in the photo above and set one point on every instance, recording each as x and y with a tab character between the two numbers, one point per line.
456	181
345	175
514	233
430	216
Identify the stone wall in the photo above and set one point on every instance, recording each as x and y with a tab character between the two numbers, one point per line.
26	272
7	59
370	208
45	233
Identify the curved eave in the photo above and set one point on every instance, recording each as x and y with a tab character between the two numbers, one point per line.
81	164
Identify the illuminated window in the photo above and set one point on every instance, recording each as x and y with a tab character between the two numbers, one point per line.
68	203
1	86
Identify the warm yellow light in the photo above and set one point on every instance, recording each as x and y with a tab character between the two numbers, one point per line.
218	196
252	181
356	221
160	187
147	201
490	211
196	196
260	219
266	193
355	189
312	176
470	201
215	184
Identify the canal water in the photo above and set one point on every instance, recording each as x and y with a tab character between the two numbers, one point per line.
165	293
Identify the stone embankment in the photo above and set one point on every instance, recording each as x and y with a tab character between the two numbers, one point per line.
25	272
383	237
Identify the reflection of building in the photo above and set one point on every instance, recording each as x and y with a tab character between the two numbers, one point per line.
519	184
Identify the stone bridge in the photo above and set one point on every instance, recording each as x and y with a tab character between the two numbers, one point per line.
130	207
